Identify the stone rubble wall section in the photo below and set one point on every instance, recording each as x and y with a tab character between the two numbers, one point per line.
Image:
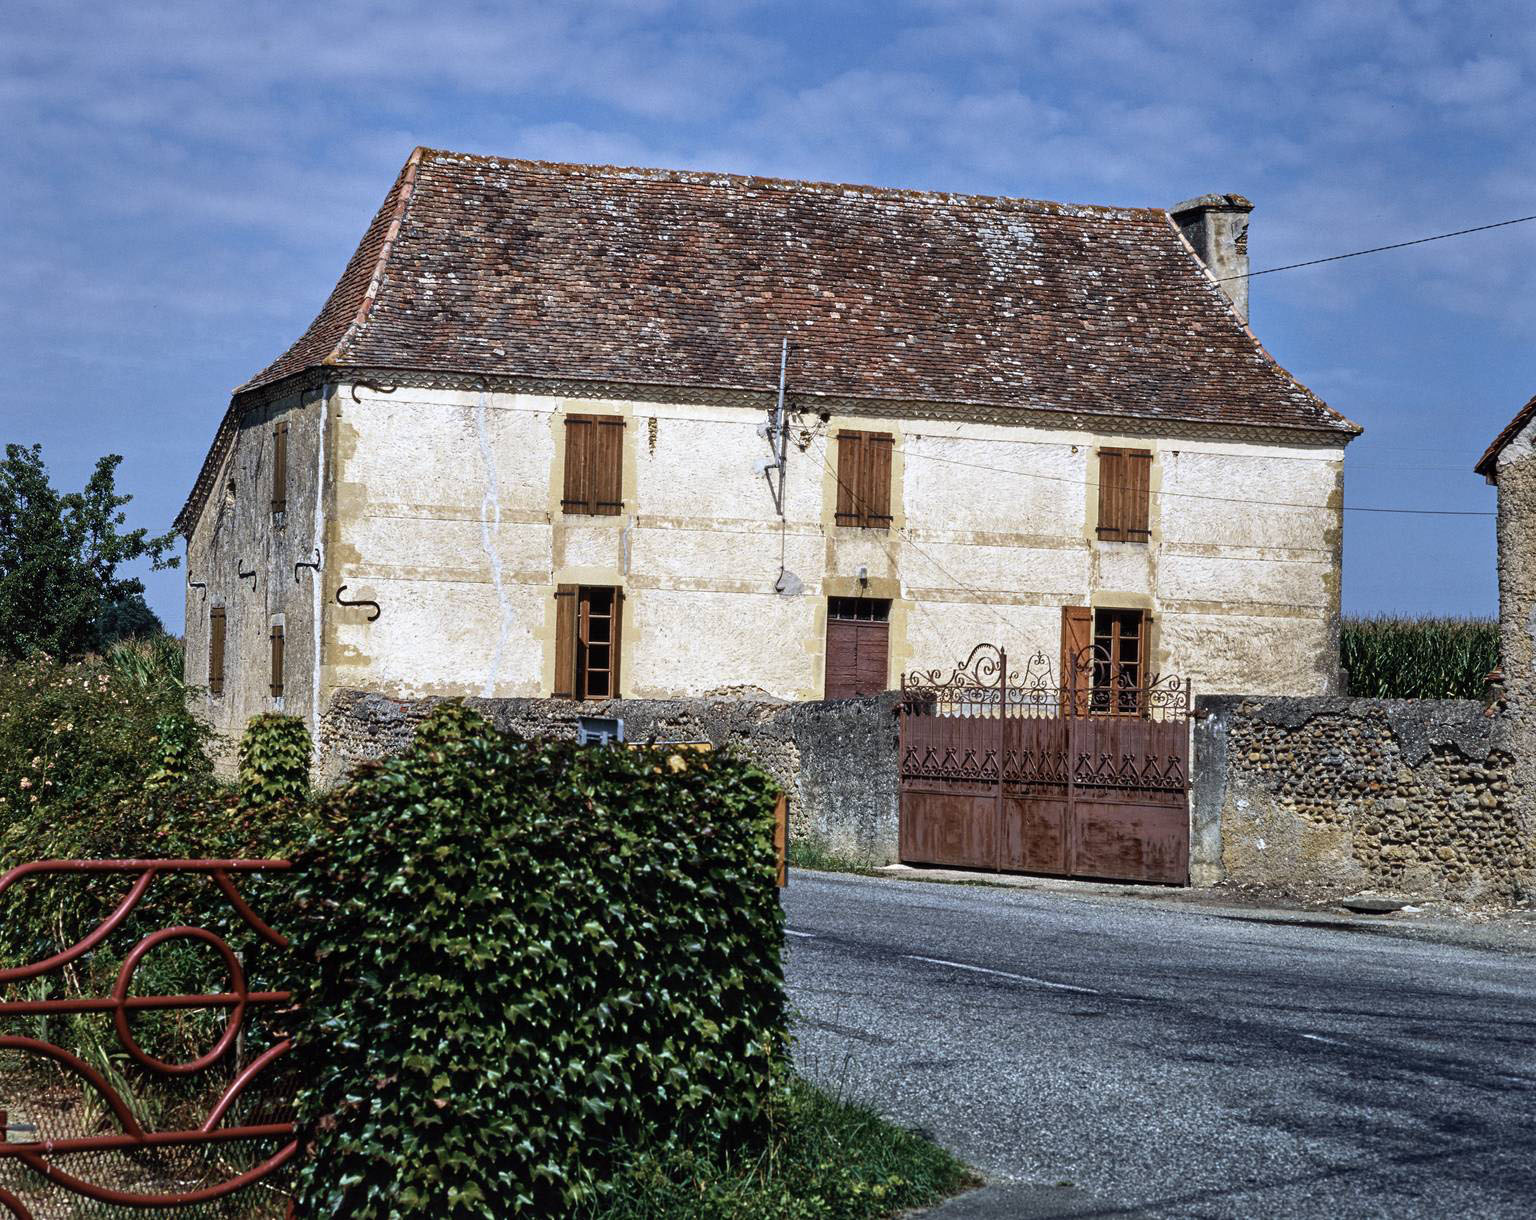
1325	796
836	759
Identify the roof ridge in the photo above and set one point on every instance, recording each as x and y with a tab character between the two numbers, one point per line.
1487	465
381	264
701	177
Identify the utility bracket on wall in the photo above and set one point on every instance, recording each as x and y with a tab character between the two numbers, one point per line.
198	584
340	601
250	576
306	564
776	431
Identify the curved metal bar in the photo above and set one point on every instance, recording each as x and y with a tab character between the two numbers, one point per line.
253	1069
361	602
16	1207
231	1026
80	947
103	1194
119	1107
262	928
304	563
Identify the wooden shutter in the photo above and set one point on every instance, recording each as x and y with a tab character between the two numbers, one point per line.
277	661
216	651
566	607
594	465
864	478
608	466
280	467
850	450
1125	487
878	447
1076	635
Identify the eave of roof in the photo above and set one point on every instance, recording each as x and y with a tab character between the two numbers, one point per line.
1488	464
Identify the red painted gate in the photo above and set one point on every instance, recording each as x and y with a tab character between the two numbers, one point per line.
1086	777
88	1146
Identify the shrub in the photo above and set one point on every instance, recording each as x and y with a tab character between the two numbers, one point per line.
274	759
1403	658
530	955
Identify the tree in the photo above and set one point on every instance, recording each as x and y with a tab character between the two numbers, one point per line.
59	554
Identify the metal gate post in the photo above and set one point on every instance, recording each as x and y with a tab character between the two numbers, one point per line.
1002	741
1069	821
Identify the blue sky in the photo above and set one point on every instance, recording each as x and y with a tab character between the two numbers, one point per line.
185	181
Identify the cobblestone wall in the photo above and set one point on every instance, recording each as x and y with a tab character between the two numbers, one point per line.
836	759
1322	796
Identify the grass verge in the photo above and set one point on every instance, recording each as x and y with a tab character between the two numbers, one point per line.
815	855
828	1160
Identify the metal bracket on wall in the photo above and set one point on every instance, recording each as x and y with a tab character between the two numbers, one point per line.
340	601
198	584
306	564
371	385
250	576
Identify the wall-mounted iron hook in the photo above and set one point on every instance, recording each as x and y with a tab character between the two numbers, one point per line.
305	564
198	584
340	601
250	576
371	385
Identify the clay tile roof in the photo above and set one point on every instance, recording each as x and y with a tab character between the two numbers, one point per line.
1488	464
489	266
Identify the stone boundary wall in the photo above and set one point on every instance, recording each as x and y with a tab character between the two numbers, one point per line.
1320	797
835	758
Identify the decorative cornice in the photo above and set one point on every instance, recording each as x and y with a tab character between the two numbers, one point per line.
1046	418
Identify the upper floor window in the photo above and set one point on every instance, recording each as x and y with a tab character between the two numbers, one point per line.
587	641
216	650
280	466
276	638
864	478
594	465
1125	493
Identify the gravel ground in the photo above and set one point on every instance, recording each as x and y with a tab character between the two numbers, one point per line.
1131	1057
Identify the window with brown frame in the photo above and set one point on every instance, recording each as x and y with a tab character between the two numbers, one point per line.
858	646
594	465
1119	661
864	478
1125	493
216	650
588	622
277	661
280	466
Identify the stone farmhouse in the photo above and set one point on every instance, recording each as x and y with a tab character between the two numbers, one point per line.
566	430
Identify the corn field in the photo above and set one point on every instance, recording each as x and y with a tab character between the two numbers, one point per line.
1418	658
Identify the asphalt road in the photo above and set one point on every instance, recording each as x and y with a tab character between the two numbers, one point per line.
1137	1059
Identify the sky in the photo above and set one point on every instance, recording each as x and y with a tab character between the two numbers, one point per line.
185	181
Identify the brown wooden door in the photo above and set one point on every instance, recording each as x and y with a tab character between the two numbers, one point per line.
858	656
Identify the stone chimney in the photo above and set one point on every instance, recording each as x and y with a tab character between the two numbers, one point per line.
1217	227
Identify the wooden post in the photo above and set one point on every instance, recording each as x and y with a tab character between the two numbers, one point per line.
781	838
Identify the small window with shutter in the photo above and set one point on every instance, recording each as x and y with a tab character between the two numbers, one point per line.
216	650
1104	658
277	660
1125	493
594	465
280	467
864	479
858	646
588	622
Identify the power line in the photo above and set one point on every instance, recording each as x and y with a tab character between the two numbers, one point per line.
1397	245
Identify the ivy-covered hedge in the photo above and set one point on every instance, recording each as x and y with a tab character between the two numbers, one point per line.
529	957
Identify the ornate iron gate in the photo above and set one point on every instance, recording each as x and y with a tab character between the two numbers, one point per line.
1082	777
238	1148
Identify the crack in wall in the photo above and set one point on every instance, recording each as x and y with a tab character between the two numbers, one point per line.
490	530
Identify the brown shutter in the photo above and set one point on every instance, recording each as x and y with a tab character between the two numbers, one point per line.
615	631
842	678
280	467
566	598
1076	635
608	466
850	449
216	651
277	660
878	447
579	443
1125	492
1138	493
1110	495
872	660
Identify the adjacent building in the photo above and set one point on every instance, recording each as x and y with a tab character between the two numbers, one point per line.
581	431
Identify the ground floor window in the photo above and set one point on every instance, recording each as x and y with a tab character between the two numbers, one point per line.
1120	648
587	641
858	646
